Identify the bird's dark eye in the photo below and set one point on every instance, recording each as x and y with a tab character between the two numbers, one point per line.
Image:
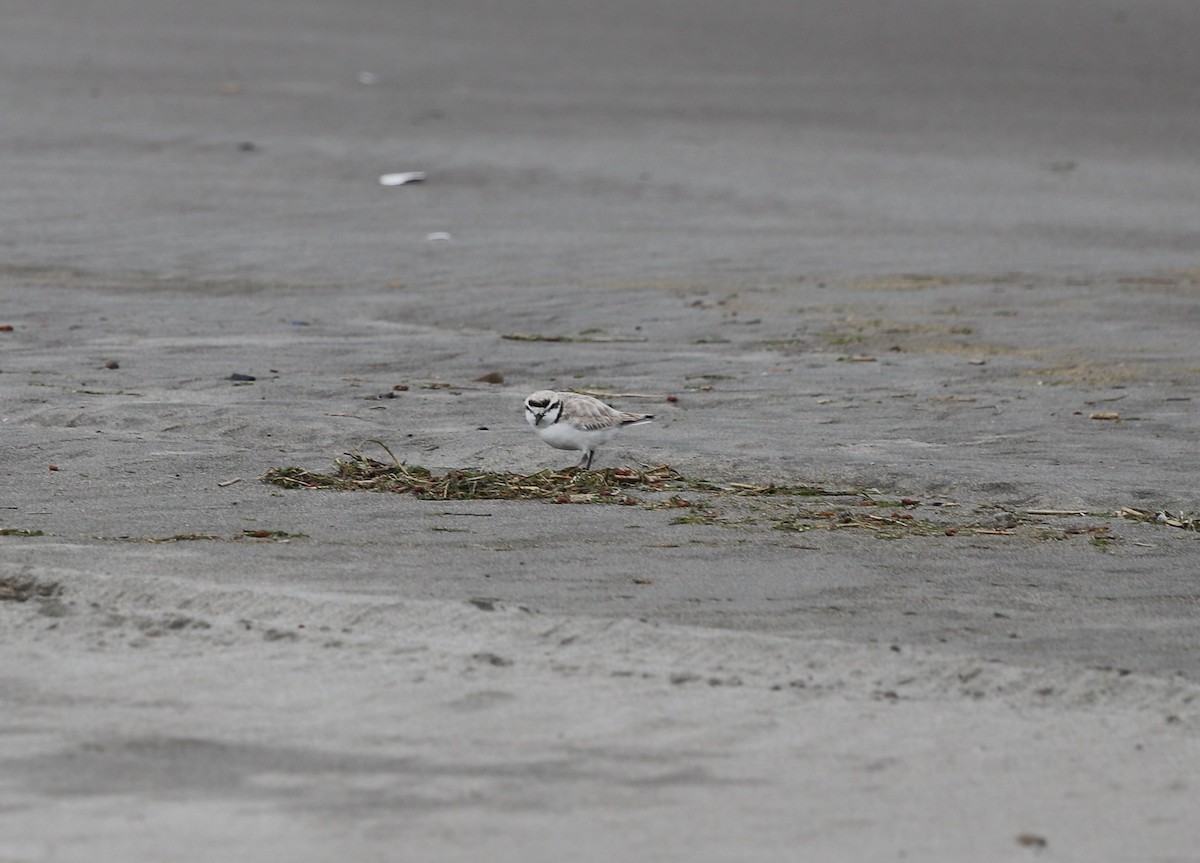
538	404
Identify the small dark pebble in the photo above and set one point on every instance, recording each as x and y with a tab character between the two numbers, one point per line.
238	376
300	323
483	604
482	428
1032	840
247	146
491	378
112	364
491	659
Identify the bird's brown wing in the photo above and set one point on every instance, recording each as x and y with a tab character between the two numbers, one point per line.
591	414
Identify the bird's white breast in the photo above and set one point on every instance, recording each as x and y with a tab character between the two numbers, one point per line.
563	435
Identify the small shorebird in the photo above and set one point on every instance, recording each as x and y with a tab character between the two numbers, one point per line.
574	421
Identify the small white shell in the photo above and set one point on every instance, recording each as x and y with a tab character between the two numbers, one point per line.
402	178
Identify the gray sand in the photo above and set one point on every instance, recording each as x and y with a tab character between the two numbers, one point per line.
911	248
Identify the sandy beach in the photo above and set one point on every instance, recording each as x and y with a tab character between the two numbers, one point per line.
911	293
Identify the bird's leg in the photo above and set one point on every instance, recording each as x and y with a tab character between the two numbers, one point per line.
586	461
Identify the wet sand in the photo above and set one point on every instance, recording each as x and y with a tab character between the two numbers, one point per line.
913	256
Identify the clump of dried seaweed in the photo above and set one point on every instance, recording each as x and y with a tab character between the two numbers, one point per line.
894	521
705	502
1181	520
886	524
356	472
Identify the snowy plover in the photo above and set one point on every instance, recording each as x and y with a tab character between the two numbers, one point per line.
574	421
